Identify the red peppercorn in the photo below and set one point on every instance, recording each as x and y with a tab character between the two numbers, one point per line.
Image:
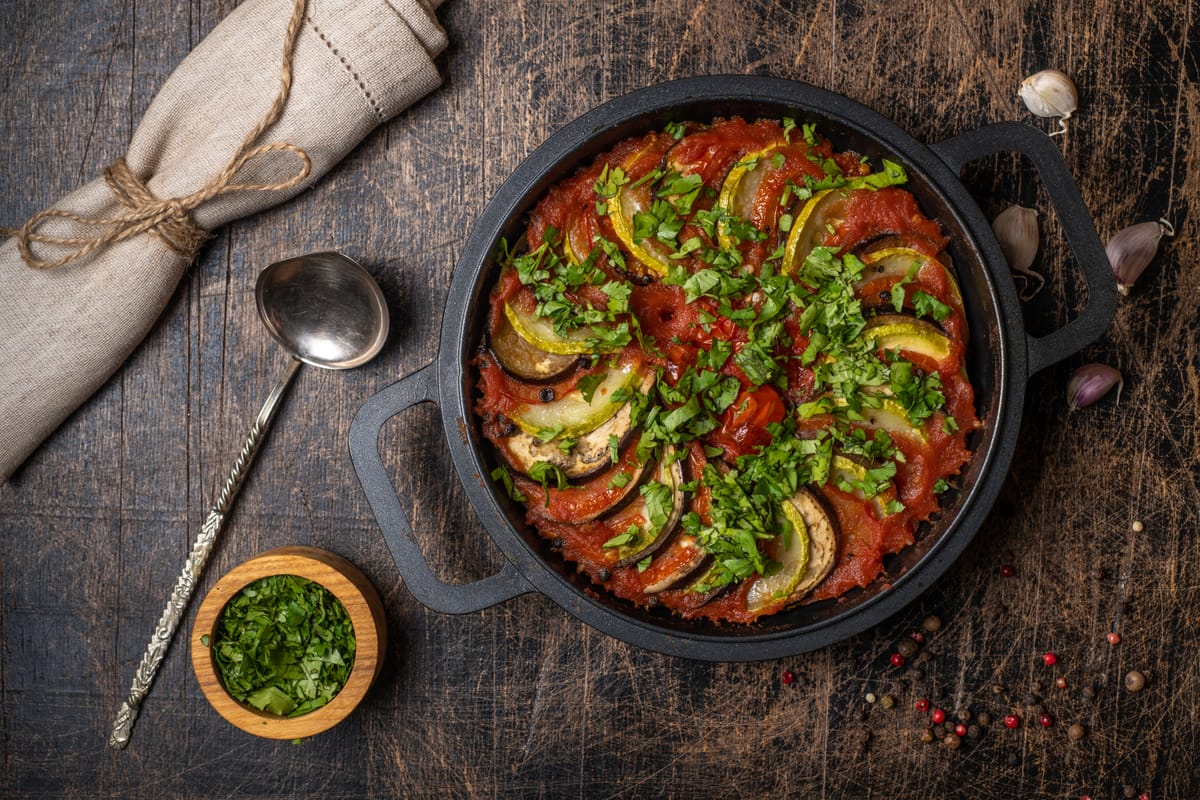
897	660
788	677
1114	638
918	637
960	730
1049	659
938	716
1007	571
1143	796
1012	721
922	705
1060	682
1046	720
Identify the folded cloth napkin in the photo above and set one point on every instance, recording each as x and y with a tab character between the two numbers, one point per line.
277	94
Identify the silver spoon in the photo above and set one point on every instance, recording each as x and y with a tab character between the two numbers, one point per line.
325	310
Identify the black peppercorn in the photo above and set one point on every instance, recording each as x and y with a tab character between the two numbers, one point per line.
1013	758
603	574
546	395
974	731
908	648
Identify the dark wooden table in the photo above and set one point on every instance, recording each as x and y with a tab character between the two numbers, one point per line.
522	700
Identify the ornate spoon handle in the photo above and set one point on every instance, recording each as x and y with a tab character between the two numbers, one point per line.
185	585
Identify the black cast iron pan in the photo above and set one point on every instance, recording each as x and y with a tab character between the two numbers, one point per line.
1002	356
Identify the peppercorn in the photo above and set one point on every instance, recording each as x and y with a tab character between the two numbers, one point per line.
926	736
1013	758
1128	792
997	689
964	715
1007	571
546	395
1076	732
952	741
918	674
1046	720
604	574
932	623
897	660
960	730
1135	681
1137	526
1012	721
974	731
1049	659
908	648
1114	638
1030	700
917	637
1061	682
938	716
888	701
1089	693
985	718
921	705
870	698
788	677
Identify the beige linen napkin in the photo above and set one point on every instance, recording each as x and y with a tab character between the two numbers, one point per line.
64	331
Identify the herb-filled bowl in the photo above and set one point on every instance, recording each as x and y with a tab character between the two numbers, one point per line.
1000	357
287	644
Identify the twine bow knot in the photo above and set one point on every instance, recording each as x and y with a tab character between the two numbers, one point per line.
169	219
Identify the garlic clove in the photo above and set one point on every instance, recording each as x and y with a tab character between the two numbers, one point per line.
1016	229
1050	93
1132	250
1091	382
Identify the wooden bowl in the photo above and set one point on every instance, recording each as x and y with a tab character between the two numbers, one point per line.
348	585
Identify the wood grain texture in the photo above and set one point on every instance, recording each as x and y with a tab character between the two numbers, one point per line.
522	700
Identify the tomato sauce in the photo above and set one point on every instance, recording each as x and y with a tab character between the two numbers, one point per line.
673	334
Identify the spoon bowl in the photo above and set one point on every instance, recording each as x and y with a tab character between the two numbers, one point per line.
324	308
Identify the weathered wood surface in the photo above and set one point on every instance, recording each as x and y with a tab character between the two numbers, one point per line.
522	700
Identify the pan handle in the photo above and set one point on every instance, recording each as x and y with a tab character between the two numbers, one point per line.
1077	225
418	387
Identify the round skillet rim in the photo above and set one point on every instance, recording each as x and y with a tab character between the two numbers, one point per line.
467	297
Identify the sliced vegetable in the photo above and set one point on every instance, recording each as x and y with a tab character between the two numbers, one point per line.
591	452
600	494
653	516
788	550
683	557
741	187
633	198
890	416
818	215
899	262
908	334
523	360
575	414
822	541
540	332
866	483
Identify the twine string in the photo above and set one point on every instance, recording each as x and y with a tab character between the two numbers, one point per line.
171	219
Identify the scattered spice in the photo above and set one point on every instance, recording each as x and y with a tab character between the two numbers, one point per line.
1135	681
952	741
1046	721
908	648
1114	638
1128	792
285	645
1030	700
1089	693
1137	526
985	718
932	623
1012	721
997	689
1013	759
788	677
1060	682
888	701
1076	732
921	705
870	698
938	716
897	660
960	730
974	732
926	736
1007	570
1049	659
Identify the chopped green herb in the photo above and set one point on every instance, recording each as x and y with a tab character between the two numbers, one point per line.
285	645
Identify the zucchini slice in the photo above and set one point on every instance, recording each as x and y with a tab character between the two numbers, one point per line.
741	185
539	332
889	416
572	415
523	360
790	550
905	333
648	539
631	199
810	227
589	455
895	262
845	473
822	542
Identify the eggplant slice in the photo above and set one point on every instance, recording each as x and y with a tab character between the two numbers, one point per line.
523	360
649	539
589	455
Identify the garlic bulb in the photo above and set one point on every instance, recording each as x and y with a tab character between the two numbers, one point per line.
1050	93
1132	250
1091	382
1016	229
